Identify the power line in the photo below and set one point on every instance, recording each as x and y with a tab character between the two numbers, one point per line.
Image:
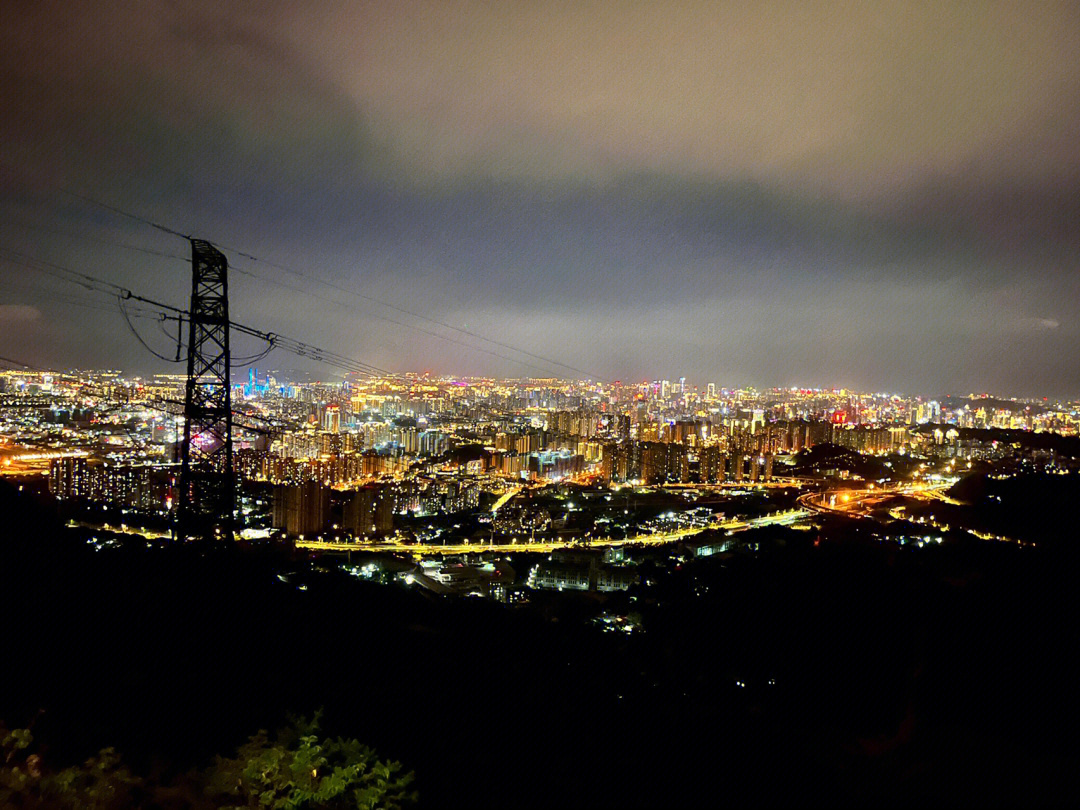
293	345
103	241
98	306
95	284
100	285
19	363
138	337
310	276
106	206
152	405
63	273
41	292
340	303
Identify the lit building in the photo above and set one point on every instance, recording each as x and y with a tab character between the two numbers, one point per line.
301	508
69	478
332	419
370	511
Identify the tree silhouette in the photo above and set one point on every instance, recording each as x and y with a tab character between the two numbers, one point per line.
100	783
295	771
298	770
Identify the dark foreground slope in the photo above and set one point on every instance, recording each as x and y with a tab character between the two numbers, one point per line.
870	676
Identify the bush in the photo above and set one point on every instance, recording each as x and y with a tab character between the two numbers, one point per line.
295	771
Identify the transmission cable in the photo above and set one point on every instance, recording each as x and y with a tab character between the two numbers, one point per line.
252	257
298	347
311	277
138	337
106	206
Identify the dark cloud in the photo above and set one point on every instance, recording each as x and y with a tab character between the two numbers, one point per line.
880	195
18	313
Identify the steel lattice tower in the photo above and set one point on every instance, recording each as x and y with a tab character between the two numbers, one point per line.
206	500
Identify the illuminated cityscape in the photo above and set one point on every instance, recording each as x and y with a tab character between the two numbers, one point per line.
417	464
432	404
527	493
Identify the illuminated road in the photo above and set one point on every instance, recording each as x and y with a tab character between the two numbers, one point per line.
836	503
937	493
854	502
123	528
850	503
660	538
499	504
772	483
18	462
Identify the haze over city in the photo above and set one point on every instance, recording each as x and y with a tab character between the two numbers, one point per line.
879	197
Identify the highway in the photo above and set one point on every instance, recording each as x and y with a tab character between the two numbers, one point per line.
15	461
123	528
772	483
661	538
854	502
785	518
507	496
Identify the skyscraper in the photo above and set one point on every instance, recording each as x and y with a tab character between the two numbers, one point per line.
332	419
301	509
370	511
69	478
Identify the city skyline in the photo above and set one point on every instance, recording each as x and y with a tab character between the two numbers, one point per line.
872	198
698	388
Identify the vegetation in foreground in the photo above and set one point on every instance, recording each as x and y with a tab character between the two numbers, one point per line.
296	769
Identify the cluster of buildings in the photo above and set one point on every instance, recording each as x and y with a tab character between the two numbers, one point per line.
367	510
146	487
359	453
583	570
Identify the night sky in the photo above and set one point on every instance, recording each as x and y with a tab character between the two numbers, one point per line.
880	196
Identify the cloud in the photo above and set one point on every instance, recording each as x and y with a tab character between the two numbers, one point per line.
858	100
1038	324
18	313
893	182
852	98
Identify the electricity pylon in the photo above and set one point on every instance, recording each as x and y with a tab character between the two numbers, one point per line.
206	504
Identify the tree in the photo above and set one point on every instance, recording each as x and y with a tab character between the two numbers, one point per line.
100	783
297	770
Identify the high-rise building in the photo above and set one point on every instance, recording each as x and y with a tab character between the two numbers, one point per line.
410	440
678	464
332	419
757	421
302	508
432	443
69	478
370	511
683	429
653	462
711	464
648	431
